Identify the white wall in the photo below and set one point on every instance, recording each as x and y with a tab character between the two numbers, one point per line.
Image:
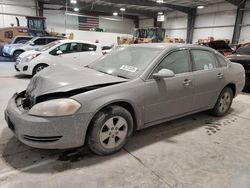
56	21
146	22
176	24
215	20
245	30
19	8
103	37
117	24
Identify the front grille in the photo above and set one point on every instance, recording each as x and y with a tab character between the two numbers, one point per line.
42	139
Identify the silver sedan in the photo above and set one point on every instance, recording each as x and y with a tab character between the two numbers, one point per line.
131	88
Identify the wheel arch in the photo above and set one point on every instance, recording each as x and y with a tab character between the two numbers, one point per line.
46	64
17	50
233	87
123	103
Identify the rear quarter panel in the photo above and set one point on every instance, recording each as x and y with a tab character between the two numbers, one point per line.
235	74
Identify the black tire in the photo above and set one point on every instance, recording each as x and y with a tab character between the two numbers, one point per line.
16	54
99	126
38	68
223	103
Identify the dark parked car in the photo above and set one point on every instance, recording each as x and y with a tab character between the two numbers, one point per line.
221	46
242	56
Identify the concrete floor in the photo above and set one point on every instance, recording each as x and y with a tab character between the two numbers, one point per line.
197	151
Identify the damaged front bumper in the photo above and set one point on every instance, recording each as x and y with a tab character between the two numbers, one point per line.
46	132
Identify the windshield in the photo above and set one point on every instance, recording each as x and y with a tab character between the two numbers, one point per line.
127	62
47	46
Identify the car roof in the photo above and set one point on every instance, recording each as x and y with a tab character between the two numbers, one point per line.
170	46
79	41
23	36
45	37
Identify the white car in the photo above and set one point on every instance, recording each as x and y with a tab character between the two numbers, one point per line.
71	52
14	50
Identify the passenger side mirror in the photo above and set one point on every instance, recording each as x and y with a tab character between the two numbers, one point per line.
32	43
59	52
163	73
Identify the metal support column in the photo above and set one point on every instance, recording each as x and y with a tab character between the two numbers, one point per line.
238	22
137	22
156	23
190	25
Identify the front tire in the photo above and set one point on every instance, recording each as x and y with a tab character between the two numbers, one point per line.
223	103
38	68
110	129
16	54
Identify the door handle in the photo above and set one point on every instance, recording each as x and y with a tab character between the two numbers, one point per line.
220	75
74	57
187	82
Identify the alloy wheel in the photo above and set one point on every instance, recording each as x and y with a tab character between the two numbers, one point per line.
113	132
225	101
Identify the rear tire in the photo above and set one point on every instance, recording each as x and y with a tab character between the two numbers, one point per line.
38	68
110	129
223	103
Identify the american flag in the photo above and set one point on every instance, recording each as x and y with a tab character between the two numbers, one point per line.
88	22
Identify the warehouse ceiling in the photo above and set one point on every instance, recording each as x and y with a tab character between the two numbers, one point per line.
133	7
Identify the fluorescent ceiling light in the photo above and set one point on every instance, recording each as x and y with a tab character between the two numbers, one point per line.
73	1
122	9
76	9
115	13
159	1
160	13
200	7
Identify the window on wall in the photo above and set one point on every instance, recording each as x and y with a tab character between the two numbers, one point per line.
204	60
177	61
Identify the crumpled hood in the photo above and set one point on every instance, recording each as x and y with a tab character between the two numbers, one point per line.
60	78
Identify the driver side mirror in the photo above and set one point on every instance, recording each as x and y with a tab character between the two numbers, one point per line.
32	43
59	52
163	73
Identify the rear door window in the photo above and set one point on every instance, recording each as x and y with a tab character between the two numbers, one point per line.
41	41
222	61
88	47
49	40
204	60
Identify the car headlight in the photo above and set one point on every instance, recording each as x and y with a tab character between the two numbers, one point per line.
30	57
56	107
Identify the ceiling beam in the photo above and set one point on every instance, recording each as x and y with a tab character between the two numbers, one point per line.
151	4
91	6
111	9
